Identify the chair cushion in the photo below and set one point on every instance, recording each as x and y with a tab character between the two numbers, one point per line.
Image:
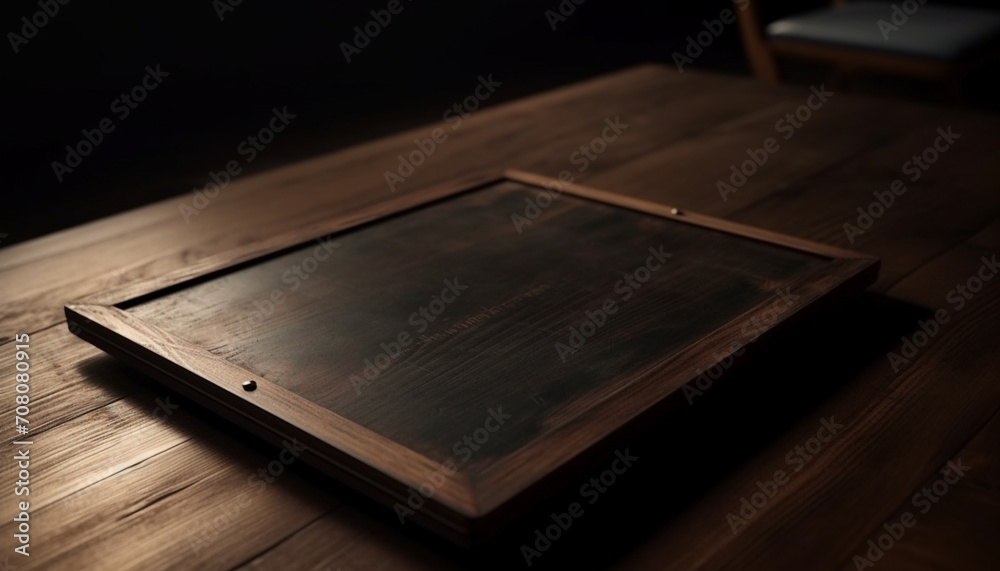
932	31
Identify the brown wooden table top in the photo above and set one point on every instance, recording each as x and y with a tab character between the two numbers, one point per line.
124	475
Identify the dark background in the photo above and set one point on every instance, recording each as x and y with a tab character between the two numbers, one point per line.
225	77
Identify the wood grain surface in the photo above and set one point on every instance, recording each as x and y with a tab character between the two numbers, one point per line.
117	484
534	349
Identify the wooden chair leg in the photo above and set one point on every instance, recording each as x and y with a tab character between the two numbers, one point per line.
759	53
764	66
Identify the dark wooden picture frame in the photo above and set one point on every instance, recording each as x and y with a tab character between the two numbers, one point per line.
464	507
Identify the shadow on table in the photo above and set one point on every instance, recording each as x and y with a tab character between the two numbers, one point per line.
685	456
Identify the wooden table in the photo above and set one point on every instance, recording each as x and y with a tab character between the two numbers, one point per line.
125	475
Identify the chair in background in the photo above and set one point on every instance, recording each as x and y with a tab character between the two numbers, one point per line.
907	37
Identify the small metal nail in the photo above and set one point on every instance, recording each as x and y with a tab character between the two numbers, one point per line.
675	211
249	385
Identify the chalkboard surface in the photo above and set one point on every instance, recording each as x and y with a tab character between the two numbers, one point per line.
496	334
